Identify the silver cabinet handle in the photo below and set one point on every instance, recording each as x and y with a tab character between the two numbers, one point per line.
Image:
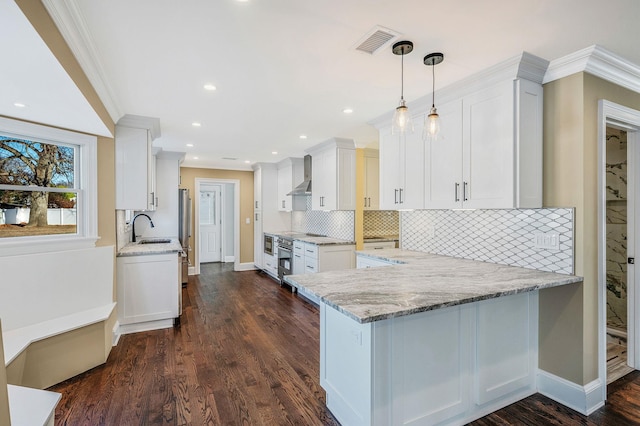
395	196
256	204
283	204
365	201
456	192
256	217
465	192
153	198
401	202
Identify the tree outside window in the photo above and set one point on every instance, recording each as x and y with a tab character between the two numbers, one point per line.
38	193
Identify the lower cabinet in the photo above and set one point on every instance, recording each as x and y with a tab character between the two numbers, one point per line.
309	258
447	366
148	290
363	262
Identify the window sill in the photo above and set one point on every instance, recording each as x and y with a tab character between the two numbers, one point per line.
27	245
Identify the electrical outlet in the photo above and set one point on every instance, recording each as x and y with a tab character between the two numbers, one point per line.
546	240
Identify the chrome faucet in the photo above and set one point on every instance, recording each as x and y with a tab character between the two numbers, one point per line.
133	225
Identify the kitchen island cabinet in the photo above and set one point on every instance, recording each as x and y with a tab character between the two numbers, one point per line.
427	339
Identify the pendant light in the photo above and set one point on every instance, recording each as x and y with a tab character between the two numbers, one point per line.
401	119
432	120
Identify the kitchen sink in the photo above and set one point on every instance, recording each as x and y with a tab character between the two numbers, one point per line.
156	241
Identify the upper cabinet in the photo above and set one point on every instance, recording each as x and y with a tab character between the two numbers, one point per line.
136	163
290	174
402	169
333	175
371	179
488	153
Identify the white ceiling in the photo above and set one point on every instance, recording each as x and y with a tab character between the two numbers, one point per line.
30	75
288	67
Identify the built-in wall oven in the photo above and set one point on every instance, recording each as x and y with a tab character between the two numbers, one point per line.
285	257
269	246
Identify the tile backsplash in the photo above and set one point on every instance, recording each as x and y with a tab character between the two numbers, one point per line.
497	236
379	223
335	224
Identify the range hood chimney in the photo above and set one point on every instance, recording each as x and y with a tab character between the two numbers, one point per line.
305	187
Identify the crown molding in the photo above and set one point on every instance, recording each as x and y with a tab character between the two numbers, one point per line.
597	61
68	18
141	122
523	66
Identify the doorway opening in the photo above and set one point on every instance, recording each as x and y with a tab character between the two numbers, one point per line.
217	207
618	214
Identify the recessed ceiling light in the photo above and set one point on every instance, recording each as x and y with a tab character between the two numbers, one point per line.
347	110
195	158
190	145
196	124
209	86
19	105
247	161
274	152
303	136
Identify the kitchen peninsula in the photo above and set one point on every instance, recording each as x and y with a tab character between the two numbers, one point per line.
427	339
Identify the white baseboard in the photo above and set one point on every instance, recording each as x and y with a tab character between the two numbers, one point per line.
145	326
584	399
192	270
228	259
248	266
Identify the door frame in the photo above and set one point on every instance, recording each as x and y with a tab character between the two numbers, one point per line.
619	116
236	218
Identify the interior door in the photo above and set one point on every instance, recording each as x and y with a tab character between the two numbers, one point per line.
210	224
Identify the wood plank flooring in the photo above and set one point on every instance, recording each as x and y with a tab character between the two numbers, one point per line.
617	362
247	353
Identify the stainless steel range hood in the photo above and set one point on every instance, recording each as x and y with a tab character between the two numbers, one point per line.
305	187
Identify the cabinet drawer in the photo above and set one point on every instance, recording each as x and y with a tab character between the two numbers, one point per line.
310	265
380	245
311	250
298	246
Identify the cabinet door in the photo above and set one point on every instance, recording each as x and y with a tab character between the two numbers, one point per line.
443	173
411	195
371	183
324	178
284	187
258	243
257	189
390	168
488	148
345	175
132	168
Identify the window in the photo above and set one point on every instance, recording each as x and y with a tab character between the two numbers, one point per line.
47	188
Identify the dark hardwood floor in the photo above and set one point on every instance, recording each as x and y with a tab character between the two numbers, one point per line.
247	353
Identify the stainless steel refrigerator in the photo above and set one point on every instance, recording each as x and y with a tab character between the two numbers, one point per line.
184	231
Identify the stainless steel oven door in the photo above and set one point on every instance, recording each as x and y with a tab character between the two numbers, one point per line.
268	244
285	262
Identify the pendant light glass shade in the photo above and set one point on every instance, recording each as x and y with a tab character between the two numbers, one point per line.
432	120
431	126
401	119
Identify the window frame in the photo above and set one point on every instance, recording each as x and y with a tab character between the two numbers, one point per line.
86	185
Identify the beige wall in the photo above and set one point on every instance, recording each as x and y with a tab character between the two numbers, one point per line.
188	177
569	317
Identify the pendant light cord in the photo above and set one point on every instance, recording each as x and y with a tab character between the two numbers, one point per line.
433	87
402	76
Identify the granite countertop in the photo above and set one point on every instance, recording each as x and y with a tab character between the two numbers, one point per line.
311	238
137	249
419	282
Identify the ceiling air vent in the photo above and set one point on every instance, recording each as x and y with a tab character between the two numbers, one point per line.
376	39
229	158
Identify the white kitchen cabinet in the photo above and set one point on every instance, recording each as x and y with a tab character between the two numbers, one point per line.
298	258
402	169
491	154
266	216
135	169
334	175
290	174
148	288
371	179
364	262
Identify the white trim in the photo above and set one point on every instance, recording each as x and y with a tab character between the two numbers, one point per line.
68	18
115	337
144	326
86	185
228	259
247	266
609	112
236	217
598	61
584	399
